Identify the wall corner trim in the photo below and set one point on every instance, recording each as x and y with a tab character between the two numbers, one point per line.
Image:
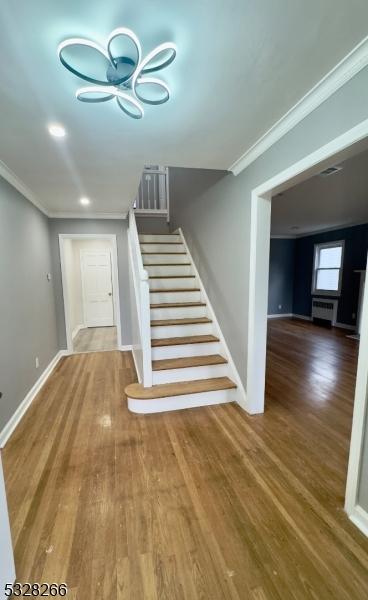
77	329
345	70
25	404
127	348
86	215
18	184
360	518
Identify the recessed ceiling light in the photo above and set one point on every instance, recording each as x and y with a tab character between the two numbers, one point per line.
57	130
85	201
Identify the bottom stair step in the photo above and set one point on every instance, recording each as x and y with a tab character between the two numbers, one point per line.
166	390
180	395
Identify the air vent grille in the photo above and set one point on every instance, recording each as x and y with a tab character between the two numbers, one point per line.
330	171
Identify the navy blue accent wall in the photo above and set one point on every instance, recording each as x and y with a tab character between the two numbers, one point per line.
355	257
281	278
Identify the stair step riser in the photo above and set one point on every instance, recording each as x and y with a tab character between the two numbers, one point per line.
145	237
190	373
168	297
167	284
152	259
186	350
169	331
167	271
188	312
181	402
162	248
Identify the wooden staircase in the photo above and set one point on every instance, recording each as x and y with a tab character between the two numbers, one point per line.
188	363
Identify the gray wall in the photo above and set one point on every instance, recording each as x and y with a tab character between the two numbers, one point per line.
118	227
27	310
281	276
152	225
214	210
291	269
355	257
363	480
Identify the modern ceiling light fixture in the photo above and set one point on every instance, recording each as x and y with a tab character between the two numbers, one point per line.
85	201
118	71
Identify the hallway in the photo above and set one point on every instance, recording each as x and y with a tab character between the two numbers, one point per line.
95	339
203	503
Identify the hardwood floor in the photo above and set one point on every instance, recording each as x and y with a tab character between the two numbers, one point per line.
94	339
207	503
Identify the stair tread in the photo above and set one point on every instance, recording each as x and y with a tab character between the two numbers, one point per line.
161	253
172	277
167	264
178	243
177	304
159	234
180	388
179	341
188	321
164	290
188	361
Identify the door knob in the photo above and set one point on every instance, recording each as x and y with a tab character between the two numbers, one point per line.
110	293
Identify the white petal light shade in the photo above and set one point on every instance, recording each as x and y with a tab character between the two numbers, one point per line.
123	75
126	102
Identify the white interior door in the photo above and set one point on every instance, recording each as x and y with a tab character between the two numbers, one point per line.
97	288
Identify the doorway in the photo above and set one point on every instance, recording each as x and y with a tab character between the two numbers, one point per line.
338	150
91	292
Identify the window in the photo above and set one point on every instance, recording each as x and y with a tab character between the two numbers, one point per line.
328	261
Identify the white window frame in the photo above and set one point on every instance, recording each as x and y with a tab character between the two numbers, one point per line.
317	249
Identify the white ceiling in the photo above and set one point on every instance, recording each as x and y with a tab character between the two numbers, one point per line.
321	203
241	65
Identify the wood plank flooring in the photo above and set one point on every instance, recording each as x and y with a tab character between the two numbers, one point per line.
94	339
208	503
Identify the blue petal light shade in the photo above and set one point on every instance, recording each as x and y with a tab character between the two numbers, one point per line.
124	77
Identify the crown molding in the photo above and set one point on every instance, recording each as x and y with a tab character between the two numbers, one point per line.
345	70
318	231
283	237
86	215
18	184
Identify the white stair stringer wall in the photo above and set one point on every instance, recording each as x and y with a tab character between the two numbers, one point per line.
239	393
170	267
139	301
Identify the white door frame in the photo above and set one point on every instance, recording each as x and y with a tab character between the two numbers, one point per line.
115	280
338	149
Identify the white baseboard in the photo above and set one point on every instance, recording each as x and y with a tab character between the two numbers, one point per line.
344	326
76	330
306	318
303	317
137	371
280	316
360	518
127	348
25	404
